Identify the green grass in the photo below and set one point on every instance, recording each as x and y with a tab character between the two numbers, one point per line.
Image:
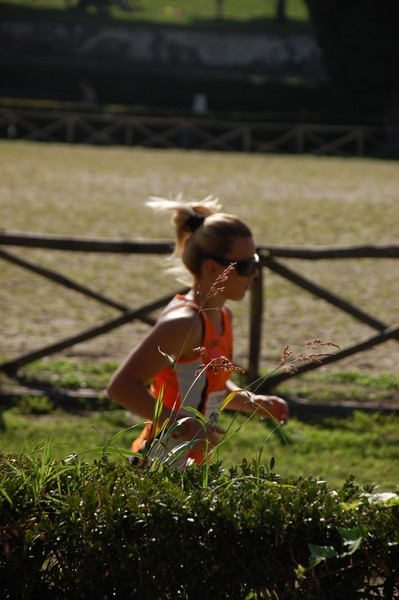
255	14
350	386
68	374
65	374
331	449
326	447
67	432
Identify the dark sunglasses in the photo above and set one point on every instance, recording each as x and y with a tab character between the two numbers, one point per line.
246	268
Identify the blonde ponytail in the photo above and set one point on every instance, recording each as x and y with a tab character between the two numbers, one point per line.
201	230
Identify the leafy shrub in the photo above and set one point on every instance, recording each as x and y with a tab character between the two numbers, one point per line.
107	529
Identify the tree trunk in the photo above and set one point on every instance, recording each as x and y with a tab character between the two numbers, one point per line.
219	8
281	17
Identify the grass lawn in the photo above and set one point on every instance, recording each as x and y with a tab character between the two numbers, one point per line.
255	14
331	449
293	200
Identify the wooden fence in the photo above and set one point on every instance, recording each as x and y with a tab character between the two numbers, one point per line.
198	133
270	258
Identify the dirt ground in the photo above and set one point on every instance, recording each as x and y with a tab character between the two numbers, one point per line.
295	201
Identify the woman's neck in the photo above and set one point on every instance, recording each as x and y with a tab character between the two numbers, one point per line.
206	296
209	301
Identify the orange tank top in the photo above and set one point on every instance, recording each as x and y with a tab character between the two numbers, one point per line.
198	381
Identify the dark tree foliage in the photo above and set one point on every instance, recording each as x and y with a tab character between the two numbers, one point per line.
360	45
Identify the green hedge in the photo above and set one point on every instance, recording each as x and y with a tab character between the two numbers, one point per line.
111	530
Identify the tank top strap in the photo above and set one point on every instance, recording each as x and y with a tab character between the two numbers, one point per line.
180	301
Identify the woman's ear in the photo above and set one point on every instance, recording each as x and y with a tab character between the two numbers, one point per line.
210	268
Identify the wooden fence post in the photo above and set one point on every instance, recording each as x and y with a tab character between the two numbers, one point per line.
70	130
256	319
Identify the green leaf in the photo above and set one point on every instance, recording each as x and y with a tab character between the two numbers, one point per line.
352	538
350	505
196	413
6	496
229	398
320	553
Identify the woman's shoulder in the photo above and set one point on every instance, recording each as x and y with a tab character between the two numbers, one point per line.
182	317
180	301
183	312
184	324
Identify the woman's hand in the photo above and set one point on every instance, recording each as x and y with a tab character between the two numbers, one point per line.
271	407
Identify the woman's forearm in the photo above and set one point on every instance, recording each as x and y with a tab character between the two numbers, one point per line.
137	399
240	398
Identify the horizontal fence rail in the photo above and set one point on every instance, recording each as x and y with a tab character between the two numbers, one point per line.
208	133
270	258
